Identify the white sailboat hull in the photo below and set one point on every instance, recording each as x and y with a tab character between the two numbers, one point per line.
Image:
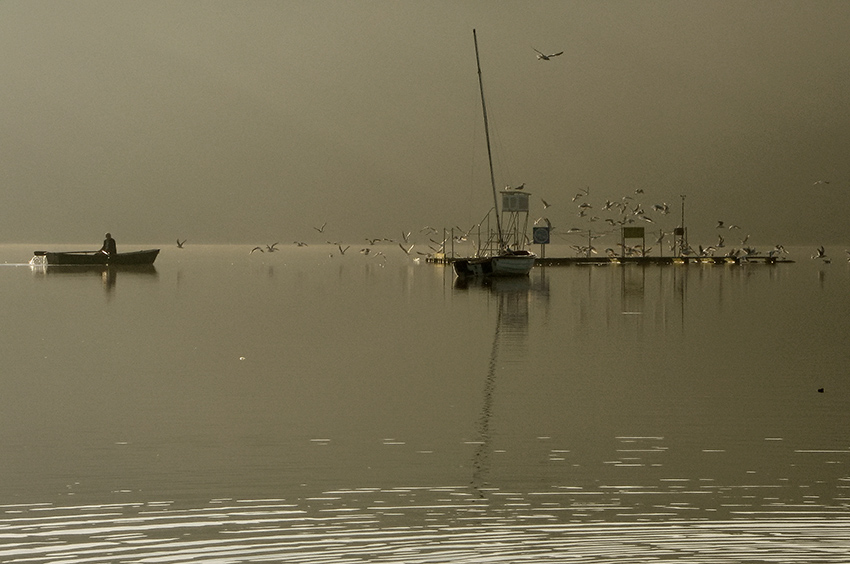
502	265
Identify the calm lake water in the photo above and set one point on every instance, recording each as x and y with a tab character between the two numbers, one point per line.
300	407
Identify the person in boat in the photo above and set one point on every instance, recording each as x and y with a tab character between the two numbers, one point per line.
109	248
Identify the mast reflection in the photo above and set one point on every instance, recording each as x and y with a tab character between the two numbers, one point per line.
509	346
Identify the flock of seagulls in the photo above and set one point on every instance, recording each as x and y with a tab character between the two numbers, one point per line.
626	212
404	243
608	218
604	219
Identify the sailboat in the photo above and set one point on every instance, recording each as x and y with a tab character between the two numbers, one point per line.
506	256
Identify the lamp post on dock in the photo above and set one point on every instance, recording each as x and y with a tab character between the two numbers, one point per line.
680	234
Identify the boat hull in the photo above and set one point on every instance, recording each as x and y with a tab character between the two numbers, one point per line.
502	265
133	258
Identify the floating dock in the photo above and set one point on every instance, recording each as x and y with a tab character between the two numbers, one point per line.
440	258
596	261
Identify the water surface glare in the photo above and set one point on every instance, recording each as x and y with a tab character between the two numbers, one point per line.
307	406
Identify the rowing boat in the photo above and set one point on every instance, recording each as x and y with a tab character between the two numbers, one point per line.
88	258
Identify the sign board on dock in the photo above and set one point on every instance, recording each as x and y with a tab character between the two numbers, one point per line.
633	232
540	235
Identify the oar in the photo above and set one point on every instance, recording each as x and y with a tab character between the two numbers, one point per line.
42	253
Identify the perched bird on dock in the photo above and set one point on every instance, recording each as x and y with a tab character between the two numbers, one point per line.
544	57
180	243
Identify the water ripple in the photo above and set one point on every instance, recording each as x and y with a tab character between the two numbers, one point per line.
387	526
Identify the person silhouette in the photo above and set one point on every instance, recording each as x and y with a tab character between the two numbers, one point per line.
109	248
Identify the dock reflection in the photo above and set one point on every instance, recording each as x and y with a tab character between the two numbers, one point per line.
666	304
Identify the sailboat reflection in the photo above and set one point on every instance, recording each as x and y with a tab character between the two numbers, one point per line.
512	297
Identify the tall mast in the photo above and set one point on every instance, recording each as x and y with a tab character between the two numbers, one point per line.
489	152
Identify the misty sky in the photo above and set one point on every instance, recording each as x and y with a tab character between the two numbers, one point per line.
253	122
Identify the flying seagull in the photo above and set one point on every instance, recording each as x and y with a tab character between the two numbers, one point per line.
544	57
180	243
322	228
